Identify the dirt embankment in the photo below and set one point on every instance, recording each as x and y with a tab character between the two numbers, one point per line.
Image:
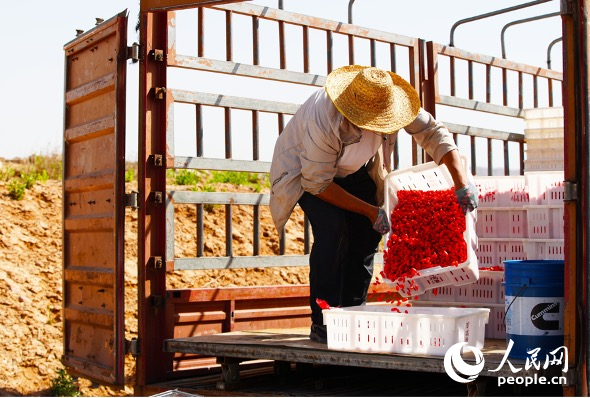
31	280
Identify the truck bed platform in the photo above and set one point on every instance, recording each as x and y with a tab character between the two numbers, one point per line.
294	345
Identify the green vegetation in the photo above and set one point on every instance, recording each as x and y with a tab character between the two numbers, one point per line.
51	166
16	189
194	178
36	169
187	177
63	385
129	175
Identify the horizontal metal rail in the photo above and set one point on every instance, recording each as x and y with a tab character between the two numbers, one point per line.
245	70
197	163
229	198
227	101
317	23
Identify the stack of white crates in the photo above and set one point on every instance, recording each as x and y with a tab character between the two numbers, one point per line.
543	134
544	178
518	218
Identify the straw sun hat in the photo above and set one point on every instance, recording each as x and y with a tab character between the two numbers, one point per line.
373	99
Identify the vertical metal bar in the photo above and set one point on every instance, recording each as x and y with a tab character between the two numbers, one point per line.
228	207
256	231
504	87
200	230
228	36
152	365
282	53
550	91
255	40
520	91
228	143
392	57
452	75
228	231
201	31
199	125
488	83
490	163
305	33
506	159
535	91
470	77
255	156
255	136
373	52
473	155
350	49
329	51
521	149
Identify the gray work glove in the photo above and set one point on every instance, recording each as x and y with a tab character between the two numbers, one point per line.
467	197
382	222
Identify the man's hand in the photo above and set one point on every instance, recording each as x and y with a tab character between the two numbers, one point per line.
382	223
467	197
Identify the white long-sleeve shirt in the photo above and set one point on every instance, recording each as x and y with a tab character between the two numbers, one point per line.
308	152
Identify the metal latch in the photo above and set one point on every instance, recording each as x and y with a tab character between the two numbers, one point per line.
159	92
131	200
133	52
570	191
157	160
158	197
157	55
157	262
132	346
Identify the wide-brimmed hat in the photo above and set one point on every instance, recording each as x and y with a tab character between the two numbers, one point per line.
372	98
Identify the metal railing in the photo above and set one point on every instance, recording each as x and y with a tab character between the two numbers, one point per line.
420	63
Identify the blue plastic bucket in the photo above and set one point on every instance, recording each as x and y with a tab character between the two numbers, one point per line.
534	306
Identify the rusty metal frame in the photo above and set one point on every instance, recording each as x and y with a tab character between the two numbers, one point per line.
158	306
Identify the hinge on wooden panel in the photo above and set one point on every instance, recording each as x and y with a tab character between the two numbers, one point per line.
131	200
570	191
133	52
157	262
159	93
157	160
157	55
132	346
158	197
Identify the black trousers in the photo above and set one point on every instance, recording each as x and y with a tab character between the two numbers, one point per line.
345	243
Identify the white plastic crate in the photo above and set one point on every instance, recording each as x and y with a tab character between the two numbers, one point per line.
501	222
426	177
545	187
422	330
543	165
545	149
493	251
502	191
545	221
496	326
536	117
488	288
544	249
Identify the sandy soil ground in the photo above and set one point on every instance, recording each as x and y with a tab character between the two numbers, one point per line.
31	280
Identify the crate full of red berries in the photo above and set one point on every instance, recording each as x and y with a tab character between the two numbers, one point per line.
431	242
